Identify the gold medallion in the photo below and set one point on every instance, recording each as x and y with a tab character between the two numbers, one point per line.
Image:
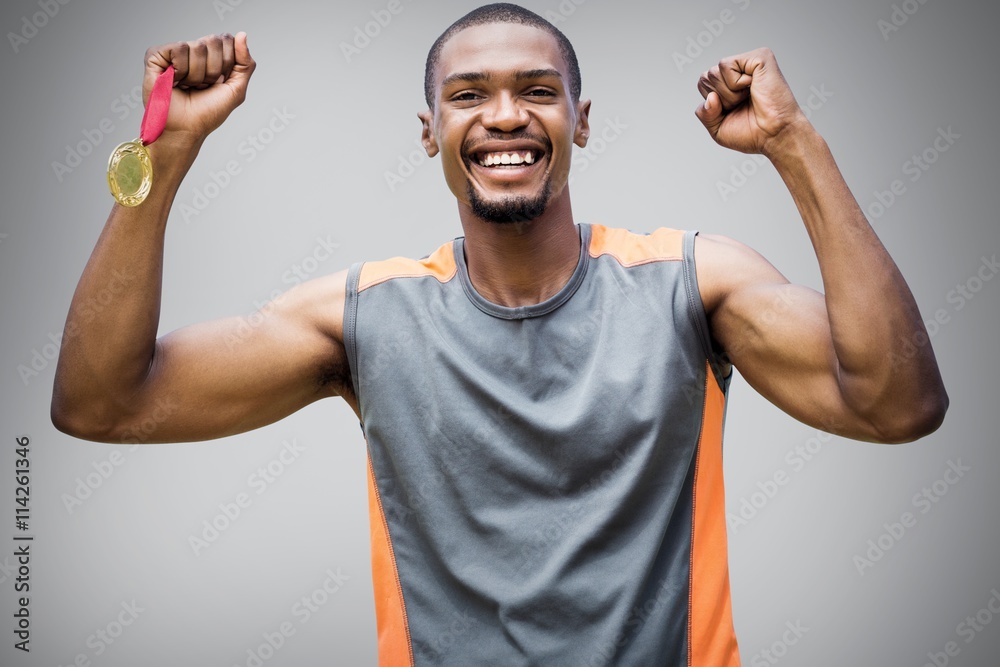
130	173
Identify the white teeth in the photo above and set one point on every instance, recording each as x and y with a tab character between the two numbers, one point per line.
491	159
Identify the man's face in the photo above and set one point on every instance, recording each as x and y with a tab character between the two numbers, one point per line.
504	121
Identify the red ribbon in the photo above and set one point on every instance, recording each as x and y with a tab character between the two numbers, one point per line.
155	117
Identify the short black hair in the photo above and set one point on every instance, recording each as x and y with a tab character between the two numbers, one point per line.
502	12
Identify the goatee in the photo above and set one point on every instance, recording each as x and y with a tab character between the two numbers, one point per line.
508	209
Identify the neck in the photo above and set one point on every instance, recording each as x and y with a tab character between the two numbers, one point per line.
522	263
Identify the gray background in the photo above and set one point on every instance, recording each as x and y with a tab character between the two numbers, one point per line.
323	177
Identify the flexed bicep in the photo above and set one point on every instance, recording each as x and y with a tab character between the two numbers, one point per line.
230	375
777	334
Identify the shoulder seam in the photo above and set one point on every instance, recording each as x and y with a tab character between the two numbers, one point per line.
394	276
440	264
631	249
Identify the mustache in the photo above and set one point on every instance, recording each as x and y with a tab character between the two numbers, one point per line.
470	146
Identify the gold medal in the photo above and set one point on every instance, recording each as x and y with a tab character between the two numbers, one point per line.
130	173
130	169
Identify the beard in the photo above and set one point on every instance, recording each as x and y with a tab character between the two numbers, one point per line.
510	209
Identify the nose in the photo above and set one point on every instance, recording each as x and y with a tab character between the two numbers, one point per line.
504	114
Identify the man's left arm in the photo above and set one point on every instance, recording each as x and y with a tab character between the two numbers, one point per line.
857	361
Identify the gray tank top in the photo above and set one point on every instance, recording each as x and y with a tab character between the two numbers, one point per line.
545	482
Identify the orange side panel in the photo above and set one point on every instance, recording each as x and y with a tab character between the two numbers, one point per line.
440	264
394	649
711	637
632	249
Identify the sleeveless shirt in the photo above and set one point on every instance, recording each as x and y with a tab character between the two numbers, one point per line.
545	482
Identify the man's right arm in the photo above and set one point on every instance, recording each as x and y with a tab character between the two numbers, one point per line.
115	382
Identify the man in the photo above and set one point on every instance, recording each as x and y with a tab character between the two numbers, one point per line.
542	400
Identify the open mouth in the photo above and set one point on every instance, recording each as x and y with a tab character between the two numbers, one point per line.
507	159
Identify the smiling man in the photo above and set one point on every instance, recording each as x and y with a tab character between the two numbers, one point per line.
542	400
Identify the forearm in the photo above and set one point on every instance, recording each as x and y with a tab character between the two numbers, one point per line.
887	368
110	333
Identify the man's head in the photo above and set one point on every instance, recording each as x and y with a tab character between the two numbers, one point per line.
503	88
502	12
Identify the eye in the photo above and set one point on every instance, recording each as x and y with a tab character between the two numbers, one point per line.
540	92
466	96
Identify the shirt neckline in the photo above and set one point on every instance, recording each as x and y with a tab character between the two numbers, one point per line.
533	310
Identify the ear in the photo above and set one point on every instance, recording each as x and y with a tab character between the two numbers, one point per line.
582	132
427	137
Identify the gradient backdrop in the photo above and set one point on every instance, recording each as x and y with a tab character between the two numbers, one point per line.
324	170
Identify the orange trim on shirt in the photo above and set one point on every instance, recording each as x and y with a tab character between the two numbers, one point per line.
631	249
394	648
440	264
711	637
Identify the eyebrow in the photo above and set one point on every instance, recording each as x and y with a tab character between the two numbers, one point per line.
478	77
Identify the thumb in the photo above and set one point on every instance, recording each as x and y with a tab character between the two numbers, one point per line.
243	68
710	113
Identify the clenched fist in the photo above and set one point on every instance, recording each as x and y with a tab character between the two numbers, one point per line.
748	104
210	76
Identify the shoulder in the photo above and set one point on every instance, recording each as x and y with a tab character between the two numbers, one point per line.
440	264
316	305
631	248
725	266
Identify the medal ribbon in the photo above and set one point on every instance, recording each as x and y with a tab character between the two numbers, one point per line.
155	117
